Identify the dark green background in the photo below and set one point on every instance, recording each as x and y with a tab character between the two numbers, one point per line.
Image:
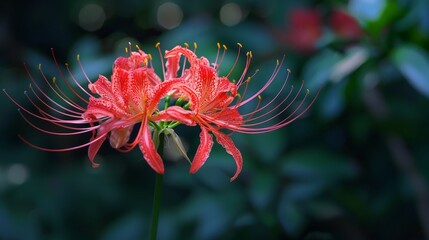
354	167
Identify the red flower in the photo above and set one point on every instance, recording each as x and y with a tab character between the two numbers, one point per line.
132	95
129	98
214	104
304	29
345	25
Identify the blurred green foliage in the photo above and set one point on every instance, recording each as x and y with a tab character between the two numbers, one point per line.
354	167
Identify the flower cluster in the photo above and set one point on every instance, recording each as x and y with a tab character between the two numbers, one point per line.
190	92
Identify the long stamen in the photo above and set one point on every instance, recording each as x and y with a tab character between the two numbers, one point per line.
236	60
61	149
157	45
63	78
81	131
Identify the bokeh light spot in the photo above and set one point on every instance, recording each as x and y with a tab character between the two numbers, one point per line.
230	14
169	15
92	17
17	174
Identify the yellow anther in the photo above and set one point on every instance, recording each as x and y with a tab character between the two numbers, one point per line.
288	70
259	97
195	45
186	45
78	57
239	44
54	80
126	50
250	54
308	91
137	46
234	81
150	56
224	46
40	66
218	45
278	62
239	95
66	64
157	44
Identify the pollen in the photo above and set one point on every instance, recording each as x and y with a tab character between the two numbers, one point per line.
186	44
157	44
137	46
218	45
224	47
308	91
240	45
259	97
54	80
40	66
195	45
78	57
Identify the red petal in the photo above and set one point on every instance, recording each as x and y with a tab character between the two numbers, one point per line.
175	113
148	148
230	148
94	147
203	151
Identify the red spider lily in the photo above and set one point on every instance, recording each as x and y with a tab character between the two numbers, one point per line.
128	99
214	104
132	95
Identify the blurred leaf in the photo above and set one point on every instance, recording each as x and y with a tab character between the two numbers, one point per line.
302	190
128	227
414	65
353	59
318	69
332	101
291	217
262	189
317	165
374	15
367	10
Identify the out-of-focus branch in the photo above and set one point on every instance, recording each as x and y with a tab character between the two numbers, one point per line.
403	159
405	162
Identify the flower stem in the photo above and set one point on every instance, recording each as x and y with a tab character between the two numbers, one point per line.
157	194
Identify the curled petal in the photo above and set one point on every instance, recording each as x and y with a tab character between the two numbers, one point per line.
230	148
120	136
203	151
176	113
148	148
94	147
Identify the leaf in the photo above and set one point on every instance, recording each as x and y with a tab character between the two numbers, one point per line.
291	216
367	10
375	15
413	63
317	165
318	70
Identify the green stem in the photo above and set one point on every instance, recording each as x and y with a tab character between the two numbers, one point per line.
157	194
